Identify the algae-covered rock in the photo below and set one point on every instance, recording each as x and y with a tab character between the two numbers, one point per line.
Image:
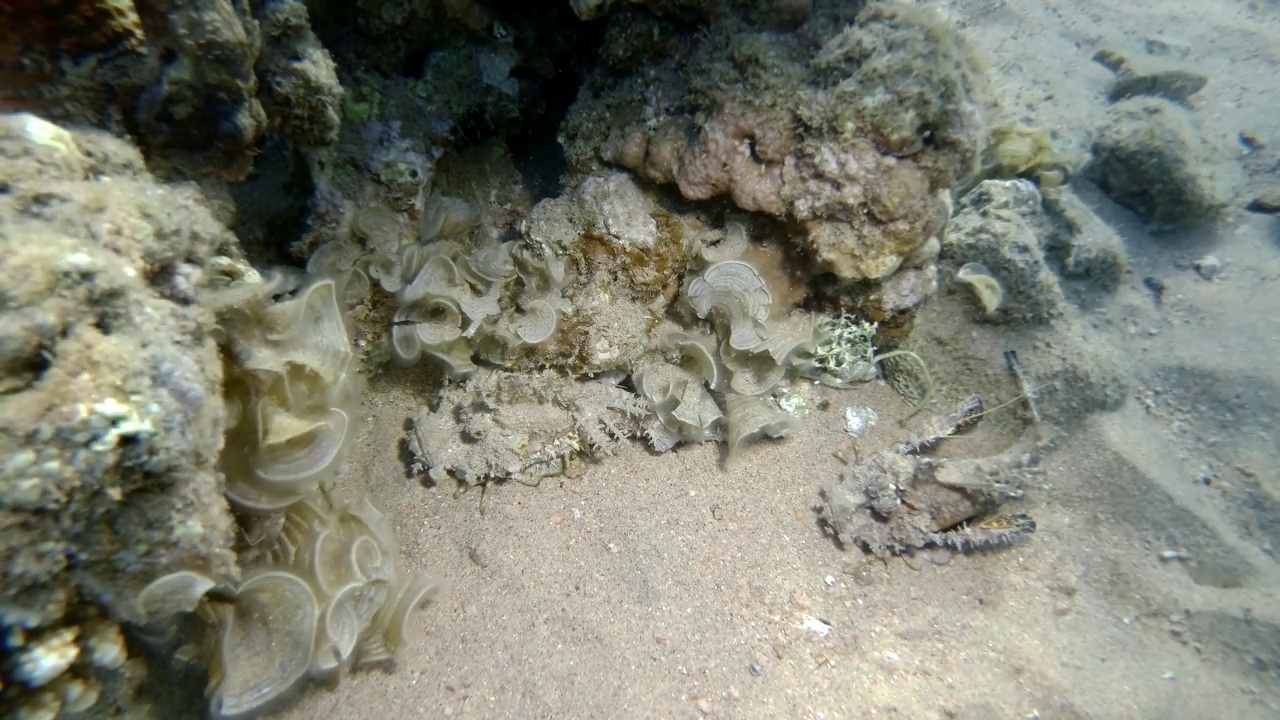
851	128
198	83
995	228
1053	261
1266	202
1034	248
111	416
1151	75
1150	157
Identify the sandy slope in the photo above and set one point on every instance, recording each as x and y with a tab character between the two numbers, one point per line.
668	587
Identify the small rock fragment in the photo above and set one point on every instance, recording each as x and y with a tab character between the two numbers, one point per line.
816	626
1267	203
1208	267
858	418
1152	76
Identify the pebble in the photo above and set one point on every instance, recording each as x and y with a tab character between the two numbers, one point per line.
816	626
862	574
1266	203
937	556
1208	267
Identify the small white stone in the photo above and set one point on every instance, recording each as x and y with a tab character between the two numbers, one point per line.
858	419
816	626
1208	267
41	662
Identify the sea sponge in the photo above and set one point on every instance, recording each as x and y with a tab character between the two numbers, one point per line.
1020	151
844	354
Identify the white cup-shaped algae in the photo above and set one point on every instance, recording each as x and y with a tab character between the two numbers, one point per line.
309	330
380	227
345	620
406	348
291	462
735	243
415	592
749	418
447	217
169	595
985	287
437	277
738	292
333	258
489	264
751	374
697	410
537	323
265	644
701	354
386	270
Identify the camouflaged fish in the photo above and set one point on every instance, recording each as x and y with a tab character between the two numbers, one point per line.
899	501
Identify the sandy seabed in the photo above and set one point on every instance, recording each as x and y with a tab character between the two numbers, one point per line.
672	587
